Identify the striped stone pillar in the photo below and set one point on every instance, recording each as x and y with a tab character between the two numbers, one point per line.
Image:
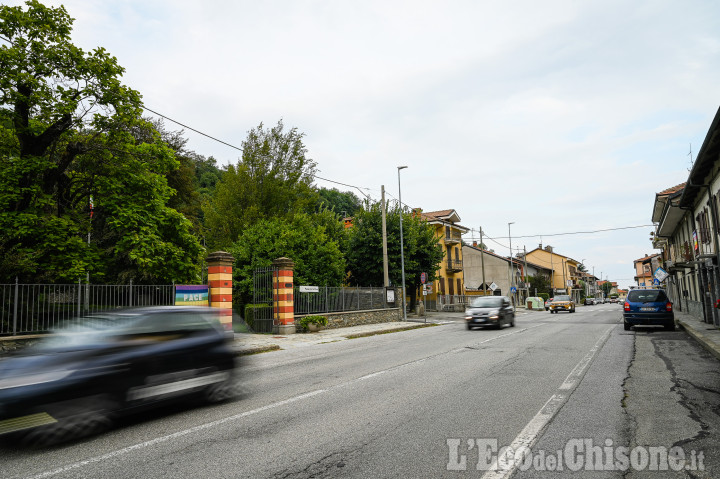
220	284
283	306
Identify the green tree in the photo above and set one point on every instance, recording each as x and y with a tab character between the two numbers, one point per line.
539	282
72	133
343	203
272	179
422	250
318	259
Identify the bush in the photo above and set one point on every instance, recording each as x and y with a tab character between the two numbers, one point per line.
544	296
313	319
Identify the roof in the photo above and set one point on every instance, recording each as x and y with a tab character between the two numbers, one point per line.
646	257
702	169
672	189
505	258
554	253
447	217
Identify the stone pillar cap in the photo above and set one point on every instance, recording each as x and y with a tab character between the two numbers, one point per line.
284	263
222	258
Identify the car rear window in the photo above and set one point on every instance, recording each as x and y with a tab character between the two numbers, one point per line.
646	296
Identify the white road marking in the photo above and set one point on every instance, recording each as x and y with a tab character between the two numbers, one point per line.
529	435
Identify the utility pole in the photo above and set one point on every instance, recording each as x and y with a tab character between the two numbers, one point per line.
482	262
386	274
527	287
552	275
510	263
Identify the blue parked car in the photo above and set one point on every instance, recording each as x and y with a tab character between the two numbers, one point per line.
648	307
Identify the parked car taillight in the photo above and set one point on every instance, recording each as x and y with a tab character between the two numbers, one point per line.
668	306
626	306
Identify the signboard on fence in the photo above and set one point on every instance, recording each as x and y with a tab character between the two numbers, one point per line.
309	289
191	295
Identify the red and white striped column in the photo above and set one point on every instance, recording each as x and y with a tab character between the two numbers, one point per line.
283	304
220	285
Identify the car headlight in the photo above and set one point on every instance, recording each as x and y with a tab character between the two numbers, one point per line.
494	314
32	379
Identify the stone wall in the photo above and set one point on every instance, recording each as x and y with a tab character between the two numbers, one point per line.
356	318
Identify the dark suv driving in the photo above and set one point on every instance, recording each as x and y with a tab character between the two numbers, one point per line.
648	307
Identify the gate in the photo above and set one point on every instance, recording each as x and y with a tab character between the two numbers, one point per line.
263	295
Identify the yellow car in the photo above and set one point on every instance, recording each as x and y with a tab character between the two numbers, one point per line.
562	302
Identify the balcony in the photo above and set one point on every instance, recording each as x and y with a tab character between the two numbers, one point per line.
453	237
454	266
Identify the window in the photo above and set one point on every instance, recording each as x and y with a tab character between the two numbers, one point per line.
459	286
442	285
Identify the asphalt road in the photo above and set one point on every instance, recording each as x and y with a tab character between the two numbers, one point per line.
423	403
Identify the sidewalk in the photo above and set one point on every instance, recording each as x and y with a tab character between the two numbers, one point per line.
706	334
258	343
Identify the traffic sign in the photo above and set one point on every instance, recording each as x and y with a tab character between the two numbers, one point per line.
513	289
656	281
423	278
493	286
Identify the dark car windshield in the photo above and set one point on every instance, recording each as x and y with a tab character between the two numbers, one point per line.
647	296
486	302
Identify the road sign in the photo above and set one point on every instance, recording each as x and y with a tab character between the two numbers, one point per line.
423	278
656	282
513	290
309	289
661	275
493	286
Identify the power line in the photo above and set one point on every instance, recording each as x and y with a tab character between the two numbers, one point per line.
581	232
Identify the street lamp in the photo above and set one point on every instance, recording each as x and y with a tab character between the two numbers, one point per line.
402	250
510	263
582	262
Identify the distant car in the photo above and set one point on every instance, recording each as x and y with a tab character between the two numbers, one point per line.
547	304
614	300
491	311
77	381
562	302
589	301
648	307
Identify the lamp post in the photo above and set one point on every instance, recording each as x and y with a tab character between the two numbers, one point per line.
402	250
582	262
510	263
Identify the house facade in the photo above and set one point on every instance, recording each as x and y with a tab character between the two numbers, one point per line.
688	233
565	276
450	280
645	268
486	268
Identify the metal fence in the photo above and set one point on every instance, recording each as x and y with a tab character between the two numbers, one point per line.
264	291
333	300
37	308
447	302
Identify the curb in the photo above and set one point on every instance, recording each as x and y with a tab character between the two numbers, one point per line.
257	350
710	346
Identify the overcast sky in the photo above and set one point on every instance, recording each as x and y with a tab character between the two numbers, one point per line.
559	116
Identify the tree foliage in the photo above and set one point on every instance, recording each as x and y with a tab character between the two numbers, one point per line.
273	179
318	259
72	133
422	251
344	203
539	283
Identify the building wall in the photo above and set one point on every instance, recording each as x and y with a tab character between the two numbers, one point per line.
496	270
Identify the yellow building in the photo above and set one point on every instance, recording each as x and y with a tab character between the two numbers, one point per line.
450	281
565	276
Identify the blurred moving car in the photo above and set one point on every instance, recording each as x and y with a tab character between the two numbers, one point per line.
77	381
547	303
648	307
489	311
562	302
589	301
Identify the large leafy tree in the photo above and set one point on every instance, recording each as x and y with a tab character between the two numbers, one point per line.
273	179
318	259
341	202
422	251
72	135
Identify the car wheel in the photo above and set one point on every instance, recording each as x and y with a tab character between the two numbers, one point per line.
223	390
572	310
626	326
86	418
512	321
469	327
